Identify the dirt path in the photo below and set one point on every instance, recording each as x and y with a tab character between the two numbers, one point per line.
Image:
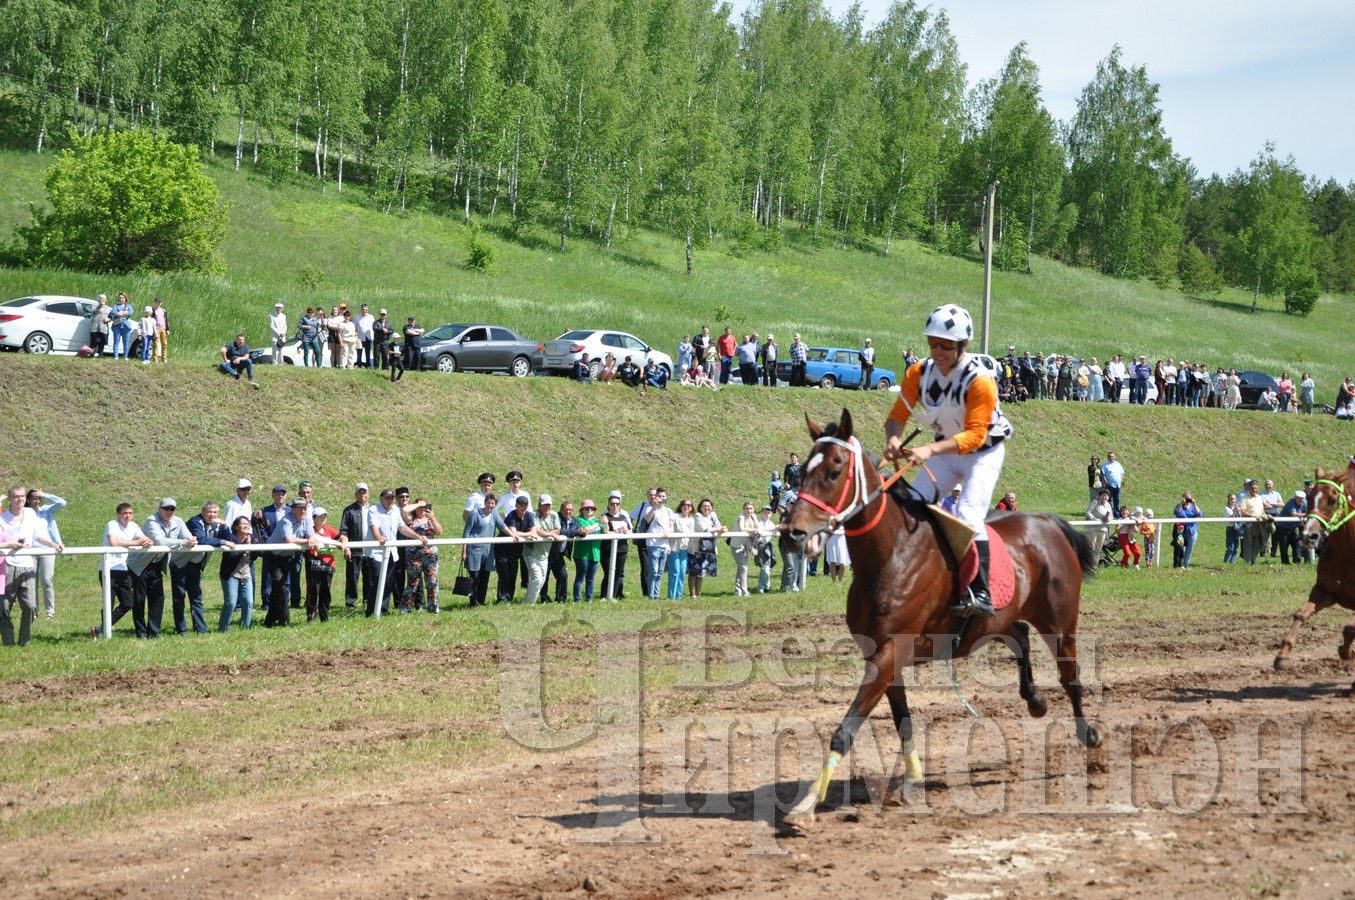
1009	808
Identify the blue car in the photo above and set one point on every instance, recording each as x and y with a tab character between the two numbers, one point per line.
837	367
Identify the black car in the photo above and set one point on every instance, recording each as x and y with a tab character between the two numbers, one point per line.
479	348
1254	384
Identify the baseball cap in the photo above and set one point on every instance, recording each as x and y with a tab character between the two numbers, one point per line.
387	492
298	501
278	305
1249	481
545	500
1148	512
402	490
301	486
522	500
168	503
588	504
384	313
319	511
360	486
1138	510
1299	494
243	483
614	495
766	507
279	488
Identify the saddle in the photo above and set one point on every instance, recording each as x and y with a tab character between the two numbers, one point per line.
959	539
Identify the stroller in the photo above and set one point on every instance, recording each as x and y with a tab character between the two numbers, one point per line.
1110	552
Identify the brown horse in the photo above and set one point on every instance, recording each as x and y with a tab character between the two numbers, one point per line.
1331	511
904	578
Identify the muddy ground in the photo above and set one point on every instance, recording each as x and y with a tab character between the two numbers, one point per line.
1217	776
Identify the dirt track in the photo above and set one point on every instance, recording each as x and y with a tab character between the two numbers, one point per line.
1009	807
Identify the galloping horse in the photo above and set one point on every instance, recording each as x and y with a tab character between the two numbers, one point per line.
903	580
1331	510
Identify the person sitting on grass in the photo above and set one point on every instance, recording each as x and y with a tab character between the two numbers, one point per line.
608	370
581	371
628	373
235	358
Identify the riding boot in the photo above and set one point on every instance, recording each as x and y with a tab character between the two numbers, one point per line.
978	602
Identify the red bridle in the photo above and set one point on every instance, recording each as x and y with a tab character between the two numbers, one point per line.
861	499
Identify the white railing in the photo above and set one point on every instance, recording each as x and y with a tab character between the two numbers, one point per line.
332	544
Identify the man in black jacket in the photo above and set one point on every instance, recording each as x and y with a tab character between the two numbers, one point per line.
382	329
210	531
353	527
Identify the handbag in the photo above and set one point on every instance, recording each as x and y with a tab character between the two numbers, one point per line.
705	545
461	585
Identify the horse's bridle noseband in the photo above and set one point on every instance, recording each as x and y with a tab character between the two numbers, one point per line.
862	498
1344	510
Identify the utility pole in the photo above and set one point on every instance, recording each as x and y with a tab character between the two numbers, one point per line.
988	263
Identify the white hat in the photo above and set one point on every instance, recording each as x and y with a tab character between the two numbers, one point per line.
545	500
243	483
278	305
319	511
384	313
614	495
1148	513
959	486
1138	510
360	486
149	310
1300	494
168	503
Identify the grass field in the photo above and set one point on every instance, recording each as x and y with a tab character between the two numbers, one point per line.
281	237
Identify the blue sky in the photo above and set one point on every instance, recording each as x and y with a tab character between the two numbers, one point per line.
1233	75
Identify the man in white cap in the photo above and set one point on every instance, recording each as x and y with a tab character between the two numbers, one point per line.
277	329
165	529
239	505
538	555
382	329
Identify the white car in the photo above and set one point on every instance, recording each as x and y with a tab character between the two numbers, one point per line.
46	323
561	353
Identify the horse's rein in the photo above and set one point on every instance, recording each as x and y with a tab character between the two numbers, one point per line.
1343	508
862	498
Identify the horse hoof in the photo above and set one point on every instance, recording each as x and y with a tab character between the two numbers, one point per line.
1090	737
799	821
1037	707
1345	653
1283	664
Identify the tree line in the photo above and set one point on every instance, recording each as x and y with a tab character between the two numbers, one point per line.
594	115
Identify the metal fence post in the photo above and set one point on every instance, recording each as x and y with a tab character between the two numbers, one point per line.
106	566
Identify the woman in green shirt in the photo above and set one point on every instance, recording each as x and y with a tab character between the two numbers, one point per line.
586	553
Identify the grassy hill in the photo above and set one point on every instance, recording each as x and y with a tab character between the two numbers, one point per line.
282	238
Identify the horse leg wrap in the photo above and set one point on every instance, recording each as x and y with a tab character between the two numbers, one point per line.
826	776
912	767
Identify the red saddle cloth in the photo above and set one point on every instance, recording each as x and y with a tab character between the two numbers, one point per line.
1001	574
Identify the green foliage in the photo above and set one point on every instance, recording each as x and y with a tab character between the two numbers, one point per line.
310	277
1272	245
1198	273
127	201
1300	290
479	252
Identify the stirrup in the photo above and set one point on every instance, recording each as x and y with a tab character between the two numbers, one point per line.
973	604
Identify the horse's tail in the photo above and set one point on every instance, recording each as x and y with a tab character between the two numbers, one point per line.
1081	544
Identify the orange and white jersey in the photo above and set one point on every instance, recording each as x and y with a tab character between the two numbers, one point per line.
962	405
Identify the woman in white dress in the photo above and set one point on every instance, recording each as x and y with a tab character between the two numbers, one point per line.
836	556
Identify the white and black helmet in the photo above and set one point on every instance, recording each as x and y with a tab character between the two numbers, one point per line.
951	323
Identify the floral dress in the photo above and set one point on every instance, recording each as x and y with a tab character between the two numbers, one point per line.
421	569
702	556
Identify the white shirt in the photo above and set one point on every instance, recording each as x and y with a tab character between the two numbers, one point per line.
510	499
364	324
661	520
26	526
475	502
1116	370
133	532
235	508
1270	499
388	520
277	323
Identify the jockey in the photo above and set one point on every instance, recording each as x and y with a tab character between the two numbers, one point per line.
956	397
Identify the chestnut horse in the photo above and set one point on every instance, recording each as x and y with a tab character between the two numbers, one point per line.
904	579
1331	511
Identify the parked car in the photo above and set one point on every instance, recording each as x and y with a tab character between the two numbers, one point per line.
564	351
480	348
837	367
46	323
1253	385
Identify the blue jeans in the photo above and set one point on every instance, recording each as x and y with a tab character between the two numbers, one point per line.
1232	539
310	352
234	372
1189	547
677	574
657	557
584	569
235	593
147	345
122	340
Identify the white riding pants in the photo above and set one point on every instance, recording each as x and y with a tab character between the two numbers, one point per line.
978	472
